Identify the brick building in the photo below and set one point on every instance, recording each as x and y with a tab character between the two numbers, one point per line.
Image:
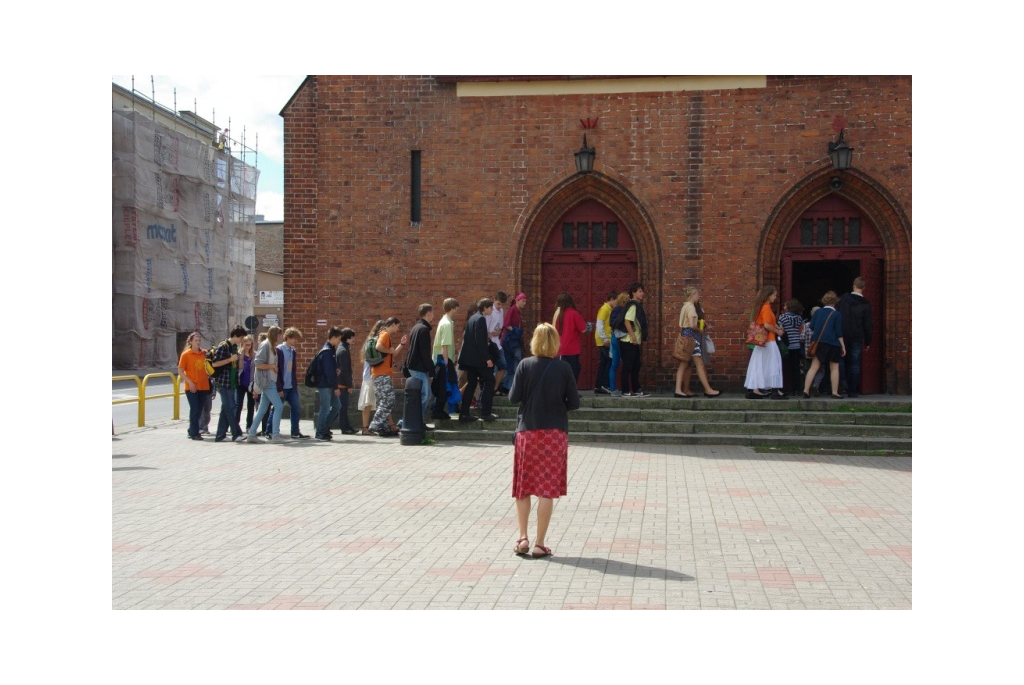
409	189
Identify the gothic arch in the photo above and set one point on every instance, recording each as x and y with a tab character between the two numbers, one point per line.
613	194
888	216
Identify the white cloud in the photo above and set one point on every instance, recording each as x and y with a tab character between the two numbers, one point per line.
270	204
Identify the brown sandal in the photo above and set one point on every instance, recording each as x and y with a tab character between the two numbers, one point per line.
544	552
519	548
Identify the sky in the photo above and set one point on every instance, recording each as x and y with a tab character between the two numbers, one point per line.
252	104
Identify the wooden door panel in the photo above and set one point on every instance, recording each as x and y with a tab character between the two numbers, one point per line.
586	274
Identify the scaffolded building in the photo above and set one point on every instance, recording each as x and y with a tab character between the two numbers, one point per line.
184	233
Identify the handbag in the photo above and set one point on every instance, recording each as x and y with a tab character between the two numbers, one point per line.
756	334
709	344
683	350
812	349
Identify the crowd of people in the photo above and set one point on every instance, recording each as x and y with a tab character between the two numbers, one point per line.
493	359
835	337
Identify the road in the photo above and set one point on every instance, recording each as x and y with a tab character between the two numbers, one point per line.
157	410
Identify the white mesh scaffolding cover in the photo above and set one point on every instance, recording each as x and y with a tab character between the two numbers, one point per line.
184	240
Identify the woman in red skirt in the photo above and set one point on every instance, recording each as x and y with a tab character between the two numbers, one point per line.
546	387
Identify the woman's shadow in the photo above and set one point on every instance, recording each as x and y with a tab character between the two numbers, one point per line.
619	568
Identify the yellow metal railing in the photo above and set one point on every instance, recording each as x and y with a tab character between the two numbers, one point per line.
140	384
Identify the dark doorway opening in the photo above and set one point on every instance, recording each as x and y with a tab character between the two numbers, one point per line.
811	280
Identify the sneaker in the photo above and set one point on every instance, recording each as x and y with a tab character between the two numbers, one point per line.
601	391
321	438
468	419
278	438
349	431
615	393
252	438
220	438
490	417
300	436
641	393
240	438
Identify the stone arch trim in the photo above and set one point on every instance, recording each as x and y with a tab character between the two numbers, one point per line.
894	229
562	197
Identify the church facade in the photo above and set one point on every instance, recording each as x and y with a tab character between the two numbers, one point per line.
408	189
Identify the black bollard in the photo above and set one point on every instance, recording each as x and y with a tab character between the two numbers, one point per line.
413	429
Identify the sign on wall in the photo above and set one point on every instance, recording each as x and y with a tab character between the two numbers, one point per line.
271	297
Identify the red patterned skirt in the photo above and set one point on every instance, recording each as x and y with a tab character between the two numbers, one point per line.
541	461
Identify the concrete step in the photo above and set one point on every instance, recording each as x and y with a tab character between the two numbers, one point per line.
492	435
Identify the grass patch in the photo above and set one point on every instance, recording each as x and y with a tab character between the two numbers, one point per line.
796	449
429	441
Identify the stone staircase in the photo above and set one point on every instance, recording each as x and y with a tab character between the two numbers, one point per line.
882	423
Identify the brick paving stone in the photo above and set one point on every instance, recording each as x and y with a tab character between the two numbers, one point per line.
359	524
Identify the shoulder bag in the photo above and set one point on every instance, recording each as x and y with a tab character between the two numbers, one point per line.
812	349
756	334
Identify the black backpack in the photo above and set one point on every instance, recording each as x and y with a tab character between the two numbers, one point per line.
618	318
312	379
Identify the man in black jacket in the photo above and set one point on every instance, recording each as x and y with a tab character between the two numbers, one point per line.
420	363
475	360
856	313
344	360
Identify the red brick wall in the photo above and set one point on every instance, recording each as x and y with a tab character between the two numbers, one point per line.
712	174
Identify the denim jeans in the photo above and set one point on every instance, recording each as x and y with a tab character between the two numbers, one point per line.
330	404
425	391
630	367
603	365
854	353
291	396
343	422
513	355
196	401
613	368
228	415
244	398
268	399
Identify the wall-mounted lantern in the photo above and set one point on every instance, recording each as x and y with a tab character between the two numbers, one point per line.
841	153
585	158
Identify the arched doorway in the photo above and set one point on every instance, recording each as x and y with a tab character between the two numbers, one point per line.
830	244
588	252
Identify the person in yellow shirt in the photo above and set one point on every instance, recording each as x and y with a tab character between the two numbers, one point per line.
603	338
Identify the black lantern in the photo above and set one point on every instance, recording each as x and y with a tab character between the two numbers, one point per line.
841	153
585	158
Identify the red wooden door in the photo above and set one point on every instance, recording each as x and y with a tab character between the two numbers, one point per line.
588	252
830	245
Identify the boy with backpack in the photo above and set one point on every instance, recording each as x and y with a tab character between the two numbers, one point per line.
225	360
635	324
616	320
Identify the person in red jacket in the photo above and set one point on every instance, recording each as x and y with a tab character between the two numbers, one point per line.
570	324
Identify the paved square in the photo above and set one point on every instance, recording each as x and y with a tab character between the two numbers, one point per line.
366	523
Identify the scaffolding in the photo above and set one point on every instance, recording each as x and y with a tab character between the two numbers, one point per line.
184	234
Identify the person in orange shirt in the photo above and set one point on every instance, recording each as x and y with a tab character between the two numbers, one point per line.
192	372
381	373
764	372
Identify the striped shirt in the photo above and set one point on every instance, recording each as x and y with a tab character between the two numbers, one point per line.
791	323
